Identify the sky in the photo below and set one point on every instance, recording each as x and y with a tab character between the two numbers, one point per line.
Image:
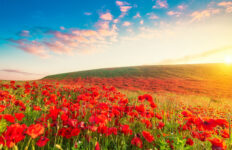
41	37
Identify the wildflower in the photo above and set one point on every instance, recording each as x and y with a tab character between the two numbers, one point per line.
161	125
189	141
9	118
137	142
97	146
35	130
218	144
19	116
42	141
14	134
148	136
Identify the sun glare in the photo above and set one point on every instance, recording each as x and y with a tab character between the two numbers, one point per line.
228	60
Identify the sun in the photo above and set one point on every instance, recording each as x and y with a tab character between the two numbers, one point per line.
228	60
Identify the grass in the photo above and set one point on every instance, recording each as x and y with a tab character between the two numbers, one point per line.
193	72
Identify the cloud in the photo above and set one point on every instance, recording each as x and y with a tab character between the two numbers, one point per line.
20	72
32	47
182	7
106	16
87	13
189	58
137	15
62	28
124	8
25	33
174	13
70	41
161	4
152	16
227	5
126	23
12	74
141	22
199	15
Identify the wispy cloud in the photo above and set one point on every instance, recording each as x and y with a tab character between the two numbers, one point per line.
199	15
161	4
24	33
32	47
126	23
227	5
19	72
70	41
106	16
182	7
13	74
152	16
137	15
87	13
189	58
174	13
124	7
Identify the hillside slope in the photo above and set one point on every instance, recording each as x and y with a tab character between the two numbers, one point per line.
191	71
208	79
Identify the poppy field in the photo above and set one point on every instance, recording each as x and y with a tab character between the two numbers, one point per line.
50	115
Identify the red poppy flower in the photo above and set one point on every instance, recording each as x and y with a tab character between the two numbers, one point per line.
218	144
36	108
15	133
9	118
19	116
189	141
35	130
137	142
97	146
42	141
148	136
161	125
2	108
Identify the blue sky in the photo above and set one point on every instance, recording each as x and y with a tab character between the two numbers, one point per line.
44	37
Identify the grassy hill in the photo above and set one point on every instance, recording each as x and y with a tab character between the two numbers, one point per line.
190	71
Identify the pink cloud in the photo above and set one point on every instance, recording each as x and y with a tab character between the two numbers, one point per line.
141	22
126	23
103	25
70	41
161	4
152	16
174	13
62	28
87	13
121	3
32	47
106	16
182	7
227	5
25	33
199	15
115	20
137	15
124	8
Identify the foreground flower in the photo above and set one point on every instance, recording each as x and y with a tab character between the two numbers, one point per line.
97	146
9	118
19	116
137	142
35	130
42	141
189	141
218	144
14	134
148	136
